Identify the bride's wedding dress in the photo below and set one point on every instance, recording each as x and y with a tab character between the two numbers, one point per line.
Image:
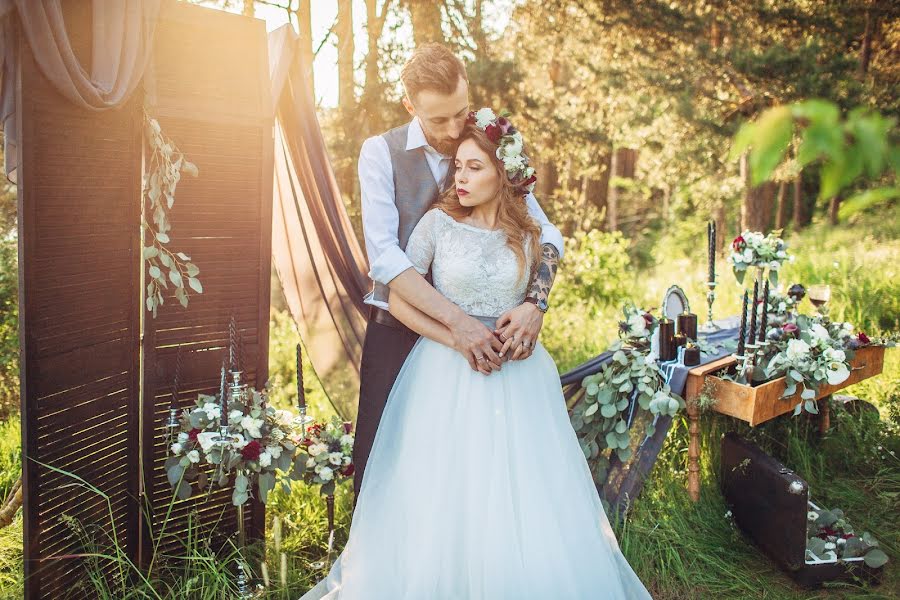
476	487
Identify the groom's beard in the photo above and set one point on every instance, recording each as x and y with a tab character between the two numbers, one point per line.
446	146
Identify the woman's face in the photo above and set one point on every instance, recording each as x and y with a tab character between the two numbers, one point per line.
477	179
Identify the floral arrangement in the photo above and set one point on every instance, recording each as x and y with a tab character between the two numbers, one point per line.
511	145
809	353
780	304
630	382
638	326
753	249
328	449
261	444
830	537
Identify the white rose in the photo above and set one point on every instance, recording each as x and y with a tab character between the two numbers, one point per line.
213	411
265	459
193	456
513	163
346	440
176	448
182	437
837	373
484	117
239	442
747	257
335	458
252	426
819	332
797	349
274	451
347	460
326	474
205	439
235	416
637	325
317	449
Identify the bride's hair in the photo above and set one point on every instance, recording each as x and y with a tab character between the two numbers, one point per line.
512	216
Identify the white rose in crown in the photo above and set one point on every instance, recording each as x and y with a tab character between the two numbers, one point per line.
483	117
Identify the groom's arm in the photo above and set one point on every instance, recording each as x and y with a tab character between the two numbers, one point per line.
389	265
524	323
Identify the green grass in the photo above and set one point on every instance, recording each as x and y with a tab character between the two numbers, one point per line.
680	549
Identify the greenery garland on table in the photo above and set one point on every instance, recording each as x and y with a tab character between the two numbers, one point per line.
602	417
166	164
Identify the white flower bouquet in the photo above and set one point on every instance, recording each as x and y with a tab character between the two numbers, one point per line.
753	249
261	442
327	454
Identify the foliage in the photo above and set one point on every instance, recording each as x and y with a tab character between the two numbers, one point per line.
9	327
165	167
592	273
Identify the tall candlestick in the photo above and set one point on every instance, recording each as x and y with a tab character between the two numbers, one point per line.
232	341
301	394
764	320
712	251
222	395
742	335
752	340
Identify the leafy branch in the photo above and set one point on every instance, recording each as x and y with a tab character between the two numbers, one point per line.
166	164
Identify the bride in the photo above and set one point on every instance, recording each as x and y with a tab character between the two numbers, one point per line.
476	487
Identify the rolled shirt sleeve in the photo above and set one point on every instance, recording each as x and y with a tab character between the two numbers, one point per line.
380	218
549	233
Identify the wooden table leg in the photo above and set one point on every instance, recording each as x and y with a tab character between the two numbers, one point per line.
693	412
824	414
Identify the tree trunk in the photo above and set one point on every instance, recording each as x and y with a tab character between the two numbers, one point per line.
865	50
781	206
833	206
304	24
756	209
721	219
801	215
13	503
372	95
344	31
426	20
612	196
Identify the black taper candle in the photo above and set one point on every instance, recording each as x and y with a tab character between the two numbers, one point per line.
232	342
301	394
224	418
764	319
742	334
752	339
712	251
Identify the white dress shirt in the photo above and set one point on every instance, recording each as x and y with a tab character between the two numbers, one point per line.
381	221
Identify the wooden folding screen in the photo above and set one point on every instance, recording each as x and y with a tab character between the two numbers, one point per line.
81	283
211	96
79	296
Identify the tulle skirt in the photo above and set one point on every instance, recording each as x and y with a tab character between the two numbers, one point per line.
477	489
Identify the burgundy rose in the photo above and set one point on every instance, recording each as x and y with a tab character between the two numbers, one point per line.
738	243
863	338
504	124
348	427
251	451
648	318
347	471
494	133
790	329
847	536
192	434
470	118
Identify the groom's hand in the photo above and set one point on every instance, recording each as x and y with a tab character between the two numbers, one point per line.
518	329
477	344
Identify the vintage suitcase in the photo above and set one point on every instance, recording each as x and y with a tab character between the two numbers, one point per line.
769	503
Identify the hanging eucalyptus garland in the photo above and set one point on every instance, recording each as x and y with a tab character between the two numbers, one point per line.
164	266
631	382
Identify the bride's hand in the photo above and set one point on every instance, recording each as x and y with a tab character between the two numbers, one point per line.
518	329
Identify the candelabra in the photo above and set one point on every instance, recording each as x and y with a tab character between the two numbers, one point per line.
709	326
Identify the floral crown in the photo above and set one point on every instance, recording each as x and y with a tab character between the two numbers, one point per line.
509	141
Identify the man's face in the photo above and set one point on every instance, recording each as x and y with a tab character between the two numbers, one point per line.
443	116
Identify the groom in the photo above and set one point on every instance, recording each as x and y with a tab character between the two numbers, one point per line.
401	173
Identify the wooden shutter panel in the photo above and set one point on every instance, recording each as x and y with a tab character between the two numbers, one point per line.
211	96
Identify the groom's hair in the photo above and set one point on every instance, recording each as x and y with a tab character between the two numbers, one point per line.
432	67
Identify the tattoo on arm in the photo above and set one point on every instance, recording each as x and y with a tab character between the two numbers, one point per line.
543	277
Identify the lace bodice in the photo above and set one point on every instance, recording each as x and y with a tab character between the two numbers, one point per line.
471	266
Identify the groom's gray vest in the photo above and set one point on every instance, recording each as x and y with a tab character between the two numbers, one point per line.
414	189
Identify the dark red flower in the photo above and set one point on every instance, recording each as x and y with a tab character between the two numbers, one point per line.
738	243
347	471
847	536
494	133
648	318
790	328
192	434
251	451
348	427
504	124
470	118
530	180
863	338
